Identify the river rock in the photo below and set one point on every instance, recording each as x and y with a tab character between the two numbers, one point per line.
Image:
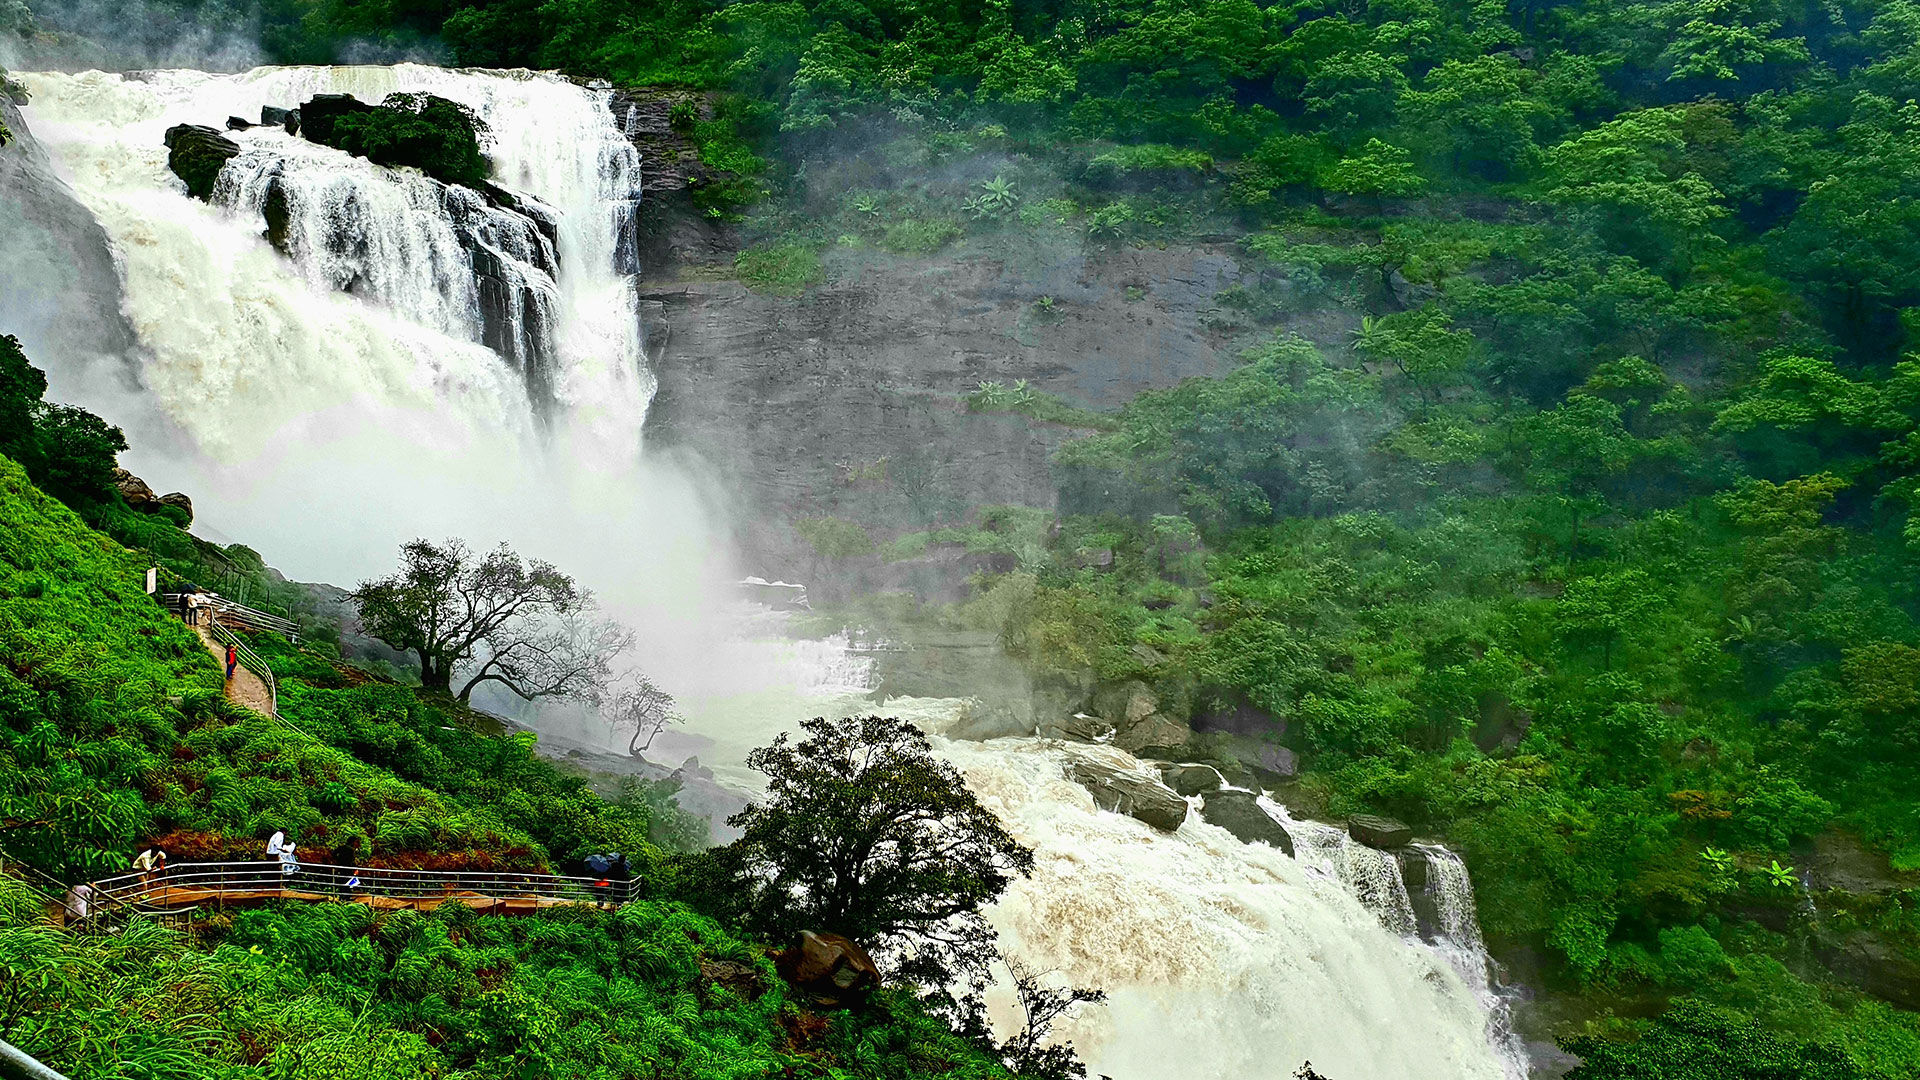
1155	732
1191	779
1384	833
1079	727
1276	764
832	971
318	114
196	154
981	721
1127	793
237	123
273	117
1239	813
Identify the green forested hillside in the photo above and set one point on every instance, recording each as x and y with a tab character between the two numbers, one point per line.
114	734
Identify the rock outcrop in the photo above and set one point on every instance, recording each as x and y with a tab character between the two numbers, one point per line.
1079	727
62	295
1384	833
196	154
1191	779
1239	813
140	496
1123	792
832	971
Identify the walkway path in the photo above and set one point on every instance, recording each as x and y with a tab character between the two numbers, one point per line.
245	688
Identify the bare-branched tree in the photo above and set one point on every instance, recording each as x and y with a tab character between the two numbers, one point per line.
639	707
492	618
1029	1053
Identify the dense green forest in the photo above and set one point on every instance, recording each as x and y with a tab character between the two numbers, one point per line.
1564	504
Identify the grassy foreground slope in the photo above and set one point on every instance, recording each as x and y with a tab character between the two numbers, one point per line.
114	733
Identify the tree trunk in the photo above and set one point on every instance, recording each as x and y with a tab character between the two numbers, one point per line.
435	675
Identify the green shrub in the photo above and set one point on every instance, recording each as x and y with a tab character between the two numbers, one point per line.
439	137
919	236
782	269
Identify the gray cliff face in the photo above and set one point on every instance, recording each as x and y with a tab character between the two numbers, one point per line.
61	296
848	401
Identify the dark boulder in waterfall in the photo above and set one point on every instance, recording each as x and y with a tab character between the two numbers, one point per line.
1384	833
196	155
832	971
320	115
272	117
236	123
1128	793
1239	813
1191	779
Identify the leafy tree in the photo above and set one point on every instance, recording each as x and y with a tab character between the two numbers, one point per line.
1379	169
1602	609
67	450
491	619
865	833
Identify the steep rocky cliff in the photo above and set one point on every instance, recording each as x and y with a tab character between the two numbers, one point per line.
848	400
62	293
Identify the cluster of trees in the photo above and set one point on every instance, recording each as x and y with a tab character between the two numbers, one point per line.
68	451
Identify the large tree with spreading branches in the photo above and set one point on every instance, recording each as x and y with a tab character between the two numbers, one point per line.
865	833
493	618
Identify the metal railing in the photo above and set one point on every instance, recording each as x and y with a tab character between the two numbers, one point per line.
241	615
15	1062
199	883
251	661
98	912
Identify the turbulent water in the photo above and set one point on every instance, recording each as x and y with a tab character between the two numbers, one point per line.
330	402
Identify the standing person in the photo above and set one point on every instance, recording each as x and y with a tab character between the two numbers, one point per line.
275	842
233	658
79	903
147	862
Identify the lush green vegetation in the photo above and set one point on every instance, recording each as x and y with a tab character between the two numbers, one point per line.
334	991
439	137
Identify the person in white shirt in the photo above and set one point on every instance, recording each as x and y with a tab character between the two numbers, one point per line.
275	842
79	902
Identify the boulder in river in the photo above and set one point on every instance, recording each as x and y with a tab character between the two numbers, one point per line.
832	971
1137	796
1384	833
1079	727
196	154
1155	731
1239	813
1191	779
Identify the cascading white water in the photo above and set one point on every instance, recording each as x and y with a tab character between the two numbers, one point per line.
325	426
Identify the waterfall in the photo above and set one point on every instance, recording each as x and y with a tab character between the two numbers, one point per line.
377	300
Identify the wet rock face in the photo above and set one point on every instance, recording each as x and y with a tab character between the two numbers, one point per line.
831	970
196	154
1136	796
1384	833
846	401
1239	813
